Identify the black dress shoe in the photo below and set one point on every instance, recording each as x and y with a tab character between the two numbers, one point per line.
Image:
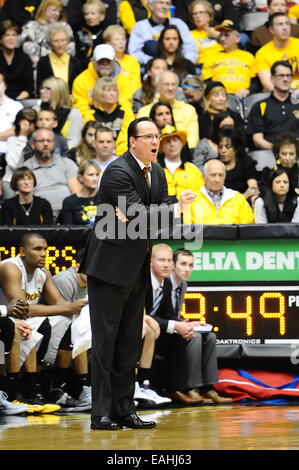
134	422
103	423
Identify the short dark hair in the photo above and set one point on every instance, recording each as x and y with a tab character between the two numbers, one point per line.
283	63
19	173
285	138
275	15
132	129
104	129
29	114
6	25
27	237
181	251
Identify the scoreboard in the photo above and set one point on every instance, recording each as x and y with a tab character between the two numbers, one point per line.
264	314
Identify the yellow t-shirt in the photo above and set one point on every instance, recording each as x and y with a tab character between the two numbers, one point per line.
294	12
268	54
234	69
206	45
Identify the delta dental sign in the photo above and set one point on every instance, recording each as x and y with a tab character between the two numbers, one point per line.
246	260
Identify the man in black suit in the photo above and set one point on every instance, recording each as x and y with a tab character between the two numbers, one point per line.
117	265
191	355
183	263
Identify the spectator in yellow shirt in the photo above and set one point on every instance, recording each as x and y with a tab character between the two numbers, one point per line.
107	110
234	67
201	13
215	204
293	14
116	36
282	47
180	175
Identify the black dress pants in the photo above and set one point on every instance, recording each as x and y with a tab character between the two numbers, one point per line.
116	315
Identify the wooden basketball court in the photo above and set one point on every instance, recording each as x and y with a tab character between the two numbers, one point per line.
215	427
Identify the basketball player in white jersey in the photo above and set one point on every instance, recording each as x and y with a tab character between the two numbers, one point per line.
25	277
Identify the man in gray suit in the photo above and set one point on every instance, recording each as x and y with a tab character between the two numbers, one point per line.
204	343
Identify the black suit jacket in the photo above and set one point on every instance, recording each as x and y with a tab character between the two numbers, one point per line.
114	258
44	70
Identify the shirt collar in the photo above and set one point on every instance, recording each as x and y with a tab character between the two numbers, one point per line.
155	282
58	59
37	164
173	281
140	163
218	195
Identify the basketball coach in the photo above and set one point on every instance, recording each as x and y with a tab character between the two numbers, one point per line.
117	267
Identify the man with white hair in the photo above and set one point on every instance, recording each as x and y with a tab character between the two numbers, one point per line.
103	64
216	204
145	33
184	114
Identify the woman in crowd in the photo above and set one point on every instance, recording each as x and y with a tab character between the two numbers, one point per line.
115	35
279	203
241	174
14	63
54	93
107	110
148	93
91	33
170	48
25	208
207	148
86	147
34	33
25	124
215	101
201	15
161	114
193	88
80	208
58	62
285	149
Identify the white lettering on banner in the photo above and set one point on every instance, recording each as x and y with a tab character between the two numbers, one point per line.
216	261
225	261
270	260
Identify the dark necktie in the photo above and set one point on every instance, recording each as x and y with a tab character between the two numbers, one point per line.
146	171
157	301
177	300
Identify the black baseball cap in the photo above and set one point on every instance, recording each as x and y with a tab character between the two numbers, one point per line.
228	25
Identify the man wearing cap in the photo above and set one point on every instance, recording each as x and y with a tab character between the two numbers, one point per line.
234	67
180	175
103	64
185	116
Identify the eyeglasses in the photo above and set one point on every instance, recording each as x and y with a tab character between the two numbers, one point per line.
281	75
149	137
196	13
